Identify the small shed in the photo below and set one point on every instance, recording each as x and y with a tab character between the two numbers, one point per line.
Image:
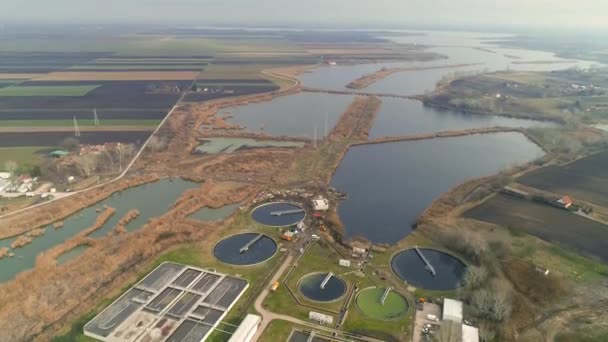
5	175
344	263
320	204
452	310
565	201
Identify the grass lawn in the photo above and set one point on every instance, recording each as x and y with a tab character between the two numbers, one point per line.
277	331
89	122
77	90
21	155
368	302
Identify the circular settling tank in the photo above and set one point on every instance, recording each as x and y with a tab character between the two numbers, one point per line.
245	249
370	303
410	266
278	214
310	287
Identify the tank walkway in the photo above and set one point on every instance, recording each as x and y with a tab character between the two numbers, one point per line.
245	248
286	212
428	266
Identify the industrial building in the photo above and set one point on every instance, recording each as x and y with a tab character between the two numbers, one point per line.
452	310
247	329
171	303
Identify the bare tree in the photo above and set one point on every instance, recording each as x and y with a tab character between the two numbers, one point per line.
486	331
10	166
475	276
87	164
70	144
157	144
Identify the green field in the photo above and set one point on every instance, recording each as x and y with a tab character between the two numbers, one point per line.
78	90
21	155
81	123
368	302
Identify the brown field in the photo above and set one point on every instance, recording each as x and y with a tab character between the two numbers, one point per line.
585	179
119	76
10	76
546	222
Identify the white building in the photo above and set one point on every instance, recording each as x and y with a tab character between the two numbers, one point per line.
5	175
344	263
321	318
320	204
469	333
247	329
452	310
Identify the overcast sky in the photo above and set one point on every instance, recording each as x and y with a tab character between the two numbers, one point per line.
505	13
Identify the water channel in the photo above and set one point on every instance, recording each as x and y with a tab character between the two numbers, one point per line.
151	200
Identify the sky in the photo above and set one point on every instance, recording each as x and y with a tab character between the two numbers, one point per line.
380	13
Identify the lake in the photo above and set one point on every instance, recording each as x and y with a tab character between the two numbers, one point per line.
390	185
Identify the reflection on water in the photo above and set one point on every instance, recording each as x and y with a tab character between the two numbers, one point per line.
389	185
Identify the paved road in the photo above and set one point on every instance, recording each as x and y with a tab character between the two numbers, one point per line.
268	316
64	195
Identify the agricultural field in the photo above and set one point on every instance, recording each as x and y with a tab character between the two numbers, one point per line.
549	223
49	139
584	179
557	95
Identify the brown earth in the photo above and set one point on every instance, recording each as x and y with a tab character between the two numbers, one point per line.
118	76
367	80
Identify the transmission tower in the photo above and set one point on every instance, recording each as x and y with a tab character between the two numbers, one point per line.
76	129
95	118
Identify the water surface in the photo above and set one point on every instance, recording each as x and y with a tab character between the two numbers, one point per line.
293	115
404	116
151	200
214	214
449	270
389	185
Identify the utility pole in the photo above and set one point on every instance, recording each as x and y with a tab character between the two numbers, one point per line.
326	119
315	137
76	129
95	118
119	157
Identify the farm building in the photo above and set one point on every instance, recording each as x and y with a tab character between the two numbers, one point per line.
247	329
320	204
452	310
565	202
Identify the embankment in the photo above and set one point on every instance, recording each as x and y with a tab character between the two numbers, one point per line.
367	80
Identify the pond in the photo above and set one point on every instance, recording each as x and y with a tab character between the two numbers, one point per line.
449	270
245	249
214	214
389	185
151	200
71	254
294	115
230	145
404	116
278	214
310	287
